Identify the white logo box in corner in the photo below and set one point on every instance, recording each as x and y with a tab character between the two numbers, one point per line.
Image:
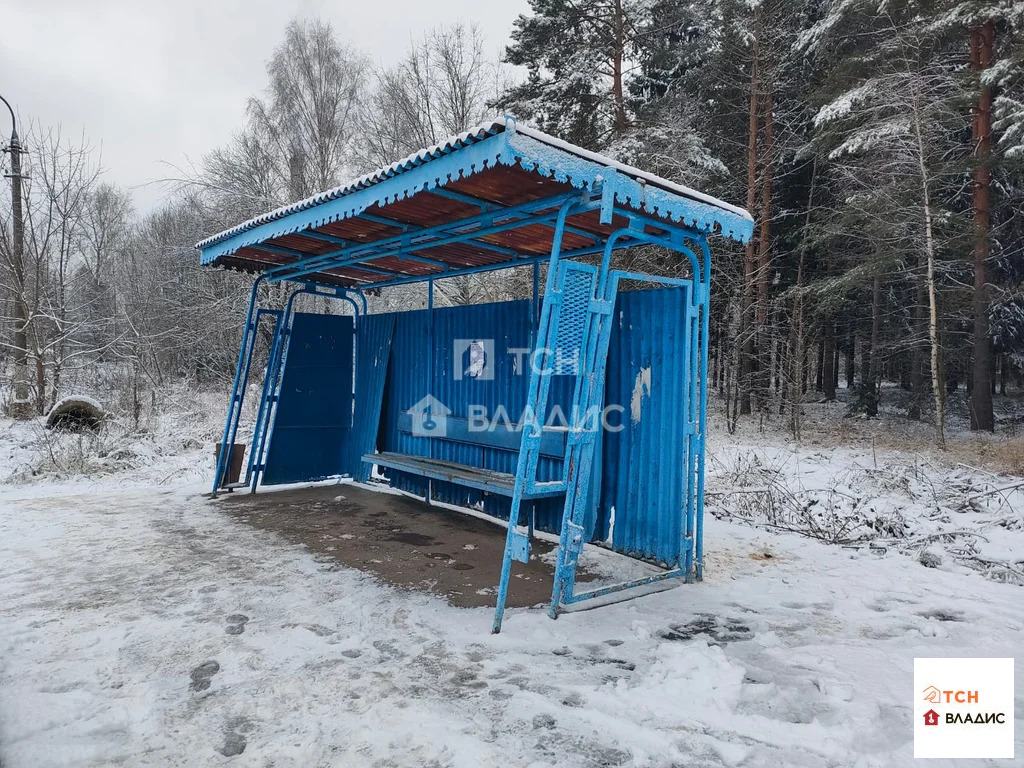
963	708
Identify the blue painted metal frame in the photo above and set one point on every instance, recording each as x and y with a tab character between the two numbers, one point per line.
516	543
311	435
234	414
510	147
592	364
272	382
398	246
594	355
683	564
607	190
274	363
373	354
271	375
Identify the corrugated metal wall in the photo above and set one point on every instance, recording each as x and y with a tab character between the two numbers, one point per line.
373	351
641	466
509	325
313	419
643	477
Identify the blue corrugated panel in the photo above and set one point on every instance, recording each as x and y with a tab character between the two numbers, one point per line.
643	474
508	324
641	468
373	350
310	434
406	383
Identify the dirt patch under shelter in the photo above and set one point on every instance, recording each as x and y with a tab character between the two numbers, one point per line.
404	541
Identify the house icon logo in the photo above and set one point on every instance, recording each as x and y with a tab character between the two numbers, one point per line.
931	717
429	417
932	695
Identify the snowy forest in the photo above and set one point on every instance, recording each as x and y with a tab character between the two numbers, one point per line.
880	149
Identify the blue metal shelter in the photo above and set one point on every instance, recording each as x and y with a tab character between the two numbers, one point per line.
515	420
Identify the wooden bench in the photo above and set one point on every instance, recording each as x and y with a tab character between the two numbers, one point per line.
502	437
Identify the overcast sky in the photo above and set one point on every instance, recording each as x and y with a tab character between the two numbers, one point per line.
154	83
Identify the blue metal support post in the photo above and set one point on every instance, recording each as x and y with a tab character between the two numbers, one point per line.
237	388
515	546
276	360
693	412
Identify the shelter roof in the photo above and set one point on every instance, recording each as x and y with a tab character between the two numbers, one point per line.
484	199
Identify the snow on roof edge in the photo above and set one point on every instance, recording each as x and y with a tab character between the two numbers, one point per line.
629	170
477	133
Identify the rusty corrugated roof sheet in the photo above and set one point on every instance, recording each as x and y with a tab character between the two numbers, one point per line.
498	166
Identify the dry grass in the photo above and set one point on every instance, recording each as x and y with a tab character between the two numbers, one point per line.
830	425
1008	456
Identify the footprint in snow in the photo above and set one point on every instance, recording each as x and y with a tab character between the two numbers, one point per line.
234	737
721	630
202	675
543	721
236	623
940	614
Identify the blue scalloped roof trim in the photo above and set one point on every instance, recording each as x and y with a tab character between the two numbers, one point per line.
568	168
462	157
418	176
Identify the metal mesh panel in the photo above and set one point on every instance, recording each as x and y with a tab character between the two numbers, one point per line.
573	311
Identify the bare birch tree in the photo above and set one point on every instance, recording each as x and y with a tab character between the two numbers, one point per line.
893	133
299	136
442	87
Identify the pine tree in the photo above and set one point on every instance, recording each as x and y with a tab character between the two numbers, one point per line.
888	129
576	54
992	32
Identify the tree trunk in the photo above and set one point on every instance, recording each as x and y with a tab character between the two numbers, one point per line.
919	334
779	362
933	309
865	362
750	254
621	121
982	38
40	385
851	368
819	378
796	387
295	167
828	368
764	247
764	342
871	385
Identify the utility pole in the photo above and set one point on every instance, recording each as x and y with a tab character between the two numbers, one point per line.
20	406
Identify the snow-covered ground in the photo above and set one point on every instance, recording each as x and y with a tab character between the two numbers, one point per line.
145	627
142	626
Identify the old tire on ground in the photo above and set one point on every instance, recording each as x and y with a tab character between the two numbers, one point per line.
76	414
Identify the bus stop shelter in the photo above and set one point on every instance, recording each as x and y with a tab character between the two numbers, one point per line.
580	411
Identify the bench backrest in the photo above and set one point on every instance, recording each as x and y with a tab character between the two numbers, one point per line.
502	436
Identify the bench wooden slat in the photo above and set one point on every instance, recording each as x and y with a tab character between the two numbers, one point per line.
473	477
552	442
